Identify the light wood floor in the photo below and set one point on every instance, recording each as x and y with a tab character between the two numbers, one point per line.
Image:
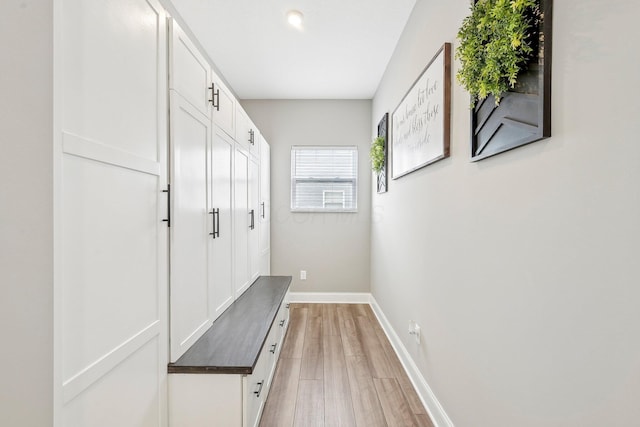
337	368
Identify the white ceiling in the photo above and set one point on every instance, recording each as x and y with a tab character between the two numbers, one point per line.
341	52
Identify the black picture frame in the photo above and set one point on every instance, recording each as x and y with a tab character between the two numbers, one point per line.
382	183
524	113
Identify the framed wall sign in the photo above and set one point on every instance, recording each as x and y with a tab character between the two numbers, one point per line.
421	122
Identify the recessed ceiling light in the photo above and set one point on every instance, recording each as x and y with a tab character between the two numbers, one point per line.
294	17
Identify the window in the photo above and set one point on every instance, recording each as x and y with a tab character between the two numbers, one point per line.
324	179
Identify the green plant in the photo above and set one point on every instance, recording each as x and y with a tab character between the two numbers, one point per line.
495	44
377	154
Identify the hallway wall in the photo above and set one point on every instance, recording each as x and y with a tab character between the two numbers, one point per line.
26	213
521	269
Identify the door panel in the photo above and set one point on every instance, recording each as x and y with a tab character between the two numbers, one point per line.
190	227
265	207
254	232
114	105
190	74
110	286
220	257
224	114
241	221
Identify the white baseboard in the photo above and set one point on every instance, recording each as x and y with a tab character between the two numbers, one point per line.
436	412
331	297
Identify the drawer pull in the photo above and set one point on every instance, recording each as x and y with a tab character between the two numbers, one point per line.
287	306
273	348
282	323
257	392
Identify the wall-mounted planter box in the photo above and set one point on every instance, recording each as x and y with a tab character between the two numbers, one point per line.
524	113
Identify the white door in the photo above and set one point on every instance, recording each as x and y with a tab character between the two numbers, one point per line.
190	225
254	214
241	221
110	283
220	256
265	207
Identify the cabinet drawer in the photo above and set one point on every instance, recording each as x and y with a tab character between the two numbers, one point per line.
256	389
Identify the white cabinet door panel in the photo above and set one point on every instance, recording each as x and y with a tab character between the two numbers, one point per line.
224	108
254	208
111	76
122	398
190	225
109	266
241	221
220	258
243	127
265	207
189	73
110	286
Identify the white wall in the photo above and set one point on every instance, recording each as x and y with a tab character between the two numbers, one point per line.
332	247
522	268
26	225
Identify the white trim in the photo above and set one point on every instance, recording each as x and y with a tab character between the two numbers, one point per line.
435	410
331	297
82	147
89	375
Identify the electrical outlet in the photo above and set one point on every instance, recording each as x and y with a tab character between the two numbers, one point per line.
303	274
414	329
416	333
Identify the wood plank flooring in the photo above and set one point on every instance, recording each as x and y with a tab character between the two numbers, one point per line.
337	368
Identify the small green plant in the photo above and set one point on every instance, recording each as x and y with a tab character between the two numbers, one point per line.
495	43
377	154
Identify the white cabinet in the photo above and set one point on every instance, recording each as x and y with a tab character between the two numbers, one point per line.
241	221
265	207
246	221
108	147
220	257
247	134
202	395
254	212
190	228
223	105
189	72
192	77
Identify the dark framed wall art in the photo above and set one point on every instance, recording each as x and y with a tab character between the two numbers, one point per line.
383	131
523	115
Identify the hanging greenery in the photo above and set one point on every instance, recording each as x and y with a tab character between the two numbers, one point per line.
377	154
495	44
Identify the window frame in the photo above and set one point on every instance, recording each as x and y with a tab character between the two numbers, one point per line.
354	181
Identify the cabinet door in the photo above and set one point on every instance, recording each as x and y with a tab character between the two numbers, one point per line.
223	106
254	210
220	259
241	221
265	207
243	129
189	72
190	227
254	141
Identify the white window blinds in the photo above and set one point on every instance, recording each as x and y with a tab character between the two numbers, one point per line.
324	179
